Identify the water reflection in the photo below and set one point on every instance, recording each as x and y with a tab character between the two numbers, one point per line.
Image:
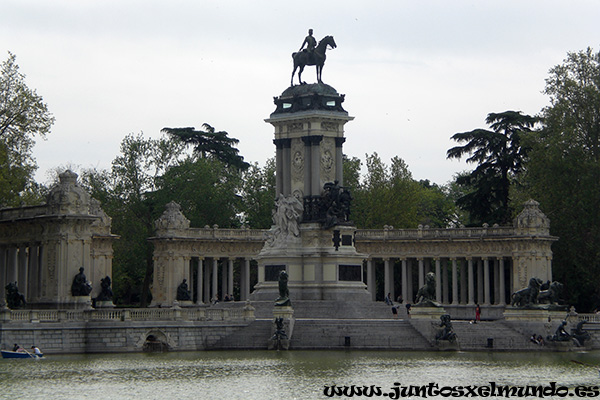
276	375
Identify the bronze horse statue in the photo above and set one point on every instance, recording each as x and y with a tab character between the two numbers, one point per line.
317	58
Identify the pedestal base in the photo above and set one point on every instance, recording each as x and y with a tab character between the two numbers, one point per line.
433	313
522	314
105	304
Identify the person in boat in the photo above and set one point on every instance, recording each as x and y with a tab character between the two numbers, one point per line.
35	350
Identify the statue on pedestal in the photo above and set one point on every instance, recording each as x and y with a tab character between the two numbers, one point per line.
315	57
183	293
447	333
426	294
14	299
80	285
106	293
284	292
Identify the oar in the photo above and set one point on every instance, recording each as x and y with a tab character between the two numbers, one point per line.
582	363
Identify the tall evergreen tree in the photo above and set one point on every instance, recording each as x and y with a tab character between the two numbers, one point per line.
209	142
500	156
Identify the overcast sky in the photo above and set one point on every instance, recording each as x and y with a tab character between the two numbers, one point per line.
413	72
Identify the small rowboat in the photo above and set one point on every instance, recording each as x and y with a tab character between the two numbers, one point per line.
19	354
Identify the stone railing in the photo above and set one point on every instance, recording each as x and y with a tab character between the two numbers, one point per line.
433	233
226	234
242	313
594	318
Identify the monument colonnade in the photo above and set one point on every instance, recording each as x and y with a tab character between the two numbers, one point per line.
43	247
472	265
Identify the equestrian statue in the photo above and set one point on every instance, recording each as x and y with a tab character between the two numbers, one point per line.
314	54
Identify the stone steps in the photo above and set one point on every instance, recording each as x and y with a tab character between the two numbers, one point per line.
361	334
331	309
475	336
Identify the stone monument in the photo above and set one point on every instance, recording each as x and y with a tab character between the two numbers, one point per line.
312	238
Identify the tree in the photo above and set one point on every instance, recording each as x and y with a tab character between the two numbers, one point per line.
390	196
23	115
210	142
500	157
258	195
126	194
563	174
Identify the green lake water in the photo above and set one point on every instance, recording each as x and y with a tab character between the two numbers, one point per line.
227	375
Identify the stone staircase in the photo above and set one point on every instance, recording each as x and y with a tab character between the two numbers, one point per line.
475	336
357	334
320	309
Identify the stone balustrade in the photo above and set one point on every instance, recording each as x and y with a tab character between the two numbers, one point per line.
130	314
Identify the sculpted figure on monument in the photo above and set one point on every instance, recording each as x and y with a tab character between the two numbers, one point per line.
528	296
426	294
447	333
183	293
551	294
106	292
286	218
313	55
14	299
335	204
284	292
80	285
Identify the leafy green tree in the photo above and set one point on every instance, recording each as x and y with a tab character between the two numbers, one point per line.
390	196
500	157
210	142
563	174
258	195
126	194
23	115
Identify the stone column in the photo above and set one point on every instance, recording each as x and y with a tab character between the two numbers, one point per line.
224	278
339	160
371	287
11	265
307	165
278	166
445	290
486	279
455	282
410	281
22	271
207	282
200	280
215	277
471	281
404	281
479	281
501	278
386	277
463	281
315	165
496	282
3	280
245	277
438	281
421	273
230	276
287	167
34	272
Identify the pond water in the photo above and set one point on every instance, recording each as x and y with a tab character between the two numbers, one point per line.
227	375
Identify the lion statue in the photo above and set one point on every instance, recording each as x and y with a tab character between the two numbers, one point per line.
426	294
551	296
527	296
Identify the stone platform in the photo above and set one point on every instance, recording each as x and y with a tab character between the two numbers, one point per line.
241	326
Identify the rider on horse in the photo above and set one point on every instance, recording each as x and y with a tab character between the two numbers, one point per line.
310	43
